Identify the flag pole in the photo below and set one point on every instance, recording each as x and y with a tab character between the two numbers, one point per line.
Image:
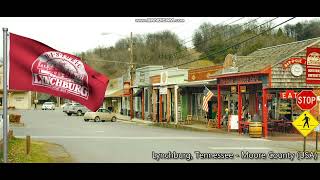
5	91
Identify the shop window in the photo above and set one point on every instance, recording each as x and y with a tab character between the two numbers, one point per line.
282	109
196	105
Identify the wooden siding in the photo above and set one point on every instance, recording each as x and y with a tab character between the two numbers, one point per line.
282	78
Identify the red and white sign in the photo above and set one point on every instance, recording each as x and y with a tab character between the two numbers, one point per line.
313	66
35	66
290	61
306	100
288	94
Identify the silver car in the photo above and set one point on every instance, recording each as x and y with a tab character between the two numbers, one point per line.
48	106
100	115
75	108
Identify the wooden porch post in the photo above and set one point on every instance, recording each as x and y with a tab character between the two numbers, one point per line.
239	109
142	104
160	108
265	112
154	105
219	107
168	105
131	104
257	103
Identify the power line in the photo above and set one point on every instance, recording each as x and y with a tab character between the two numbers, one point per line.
237	44
173	54
220	23
216	25
233	37
121	62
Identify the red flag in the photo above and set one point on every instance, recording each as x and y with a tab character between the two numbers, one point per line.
35	66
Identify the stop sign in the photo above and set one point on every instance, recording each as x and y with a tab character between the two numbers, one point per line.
306	100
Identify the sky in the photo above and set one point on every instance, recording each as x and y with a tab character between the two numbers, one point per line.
78	34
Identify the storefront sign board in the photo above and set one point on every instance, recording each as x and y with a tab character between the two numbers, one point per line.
163	90
290	61
313	66
240	80
233	122
288	94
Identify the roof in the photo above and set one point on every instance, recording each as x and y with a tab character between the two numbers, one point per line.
199	83
266	57
114	93
198	64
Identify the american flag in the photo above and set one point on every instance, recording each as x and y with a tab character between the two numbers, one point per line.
207	96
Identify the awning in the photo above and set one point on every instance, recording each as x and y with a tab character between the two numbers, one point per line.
118	93
199	83
138	93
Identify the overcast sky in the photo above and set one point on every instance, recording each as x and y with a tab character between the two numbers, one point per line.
76	34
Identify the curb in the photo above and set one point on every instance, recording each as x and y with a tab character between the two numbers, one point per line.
182	127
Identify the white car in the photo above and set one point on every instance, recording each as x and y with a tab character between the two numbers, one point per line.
48	106
100	115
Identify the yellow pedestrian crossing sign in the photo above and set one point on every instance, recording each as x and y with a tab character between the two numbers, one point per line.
305	123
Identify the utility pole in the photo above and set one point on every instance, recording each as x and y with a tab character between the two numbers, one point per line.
131	69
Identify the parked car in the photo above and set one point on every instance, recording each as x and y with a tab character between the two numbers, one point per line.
75	108
100	115
66	106
48	105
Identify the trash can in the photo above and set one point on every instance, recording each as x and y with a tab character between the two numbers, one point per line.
255	129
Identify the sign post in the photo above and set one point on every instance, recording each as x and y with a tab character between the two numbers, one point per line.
317	129
305	124
5	92
304	144
317	141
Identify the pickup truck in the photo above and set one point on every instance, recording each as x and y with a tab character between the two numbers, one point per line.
75	108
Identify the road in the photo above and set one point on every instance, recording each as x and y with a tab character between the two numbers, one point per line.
122	141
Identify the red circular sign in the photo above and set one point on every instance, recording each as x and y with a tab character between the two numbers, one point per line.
306	100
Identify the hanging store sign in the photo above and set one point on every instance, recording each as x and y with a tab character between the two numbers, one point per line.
243	89
233	89
313	66
126	88
288	94
290	61
163	90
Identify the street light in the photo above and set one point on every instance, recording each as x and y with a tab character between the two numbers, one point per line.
131	69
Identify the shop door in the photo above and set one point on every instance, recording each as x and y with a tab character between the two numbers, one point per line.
184	105
158	106
210	106
172	106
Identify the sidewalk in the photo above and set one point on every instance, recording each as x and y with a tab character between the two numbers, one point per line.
134	120
203	127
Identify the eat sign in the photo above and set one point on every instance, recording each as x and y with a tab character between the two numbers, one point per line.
288	94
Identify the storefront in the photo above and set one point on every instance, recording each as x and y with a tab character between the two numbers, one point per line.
165	94
142	91
191	94
114	95
263	85
240	98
